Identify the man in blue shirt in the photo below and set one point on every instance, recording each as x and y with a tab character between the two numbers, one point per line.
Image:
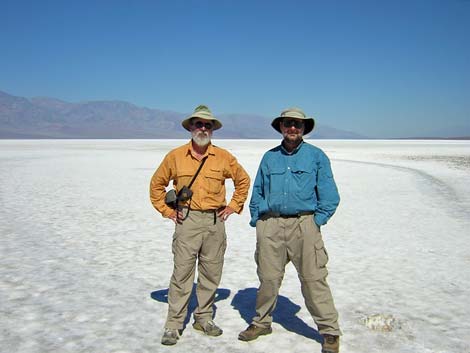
293	195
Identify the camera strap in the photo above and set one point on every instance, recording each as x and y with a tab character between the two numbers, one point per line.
197	172
191	184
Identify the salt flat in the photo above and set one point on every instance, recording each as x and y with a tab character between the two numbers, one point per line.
85	260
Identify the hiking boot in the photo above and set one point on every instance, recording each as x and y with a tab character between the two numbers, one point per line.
330	344
170	336
209	328
253	332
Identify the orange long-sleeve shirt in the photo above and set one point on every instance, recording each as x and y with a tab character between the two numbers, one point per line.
209	193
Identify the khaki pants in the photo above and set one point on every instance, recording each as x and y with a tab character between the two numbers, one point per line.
280	240
197	239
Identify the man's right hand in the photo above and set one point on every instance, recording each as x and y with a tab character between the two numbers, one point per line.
176	216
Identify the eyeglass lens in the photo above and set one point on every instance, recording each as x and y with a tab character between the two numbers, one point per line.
297	123
200	124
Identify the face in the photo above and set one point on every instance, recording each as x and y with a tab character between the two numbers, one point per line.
292	129
201	131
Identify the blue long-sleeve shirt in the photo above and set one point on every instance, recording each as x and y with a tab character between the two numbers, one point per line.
292	183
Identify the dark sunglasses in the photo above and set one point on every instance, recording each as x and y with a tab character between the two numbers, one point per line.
200	124
289	123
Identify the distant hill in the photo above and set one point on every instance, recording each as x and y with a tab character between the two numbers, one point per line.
44	117
435	138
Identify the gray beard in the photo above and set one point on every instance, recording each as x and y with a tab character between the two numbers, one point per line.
200	138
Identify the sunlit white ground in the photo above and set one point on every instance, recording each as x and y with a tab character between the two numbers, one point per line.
85	260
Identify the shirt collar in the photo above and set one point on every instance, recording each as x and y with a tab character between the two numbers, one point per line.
294	151
210	148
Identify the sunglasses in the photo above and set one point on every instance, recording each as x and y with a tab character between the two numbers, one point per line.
200	124
289	123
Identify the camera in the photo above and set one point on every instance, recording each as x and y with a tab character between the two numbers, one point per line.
184	194
172	199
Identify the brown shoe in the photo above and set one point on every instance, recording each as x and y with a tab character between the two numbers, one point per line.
330	344
253	332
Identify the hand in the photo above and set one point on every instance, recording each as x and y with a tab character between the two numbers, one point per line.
176	216
224	213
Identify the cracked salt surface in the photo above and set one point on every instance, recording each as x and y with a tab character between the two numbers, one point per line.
85	261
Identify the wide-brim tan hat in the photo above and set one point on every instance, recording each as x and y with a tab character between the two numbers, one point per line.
297	114
202	112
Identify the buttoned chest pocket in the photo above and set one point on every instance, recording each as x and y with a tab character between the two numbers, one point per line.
304	177
214	180
277	176
183	177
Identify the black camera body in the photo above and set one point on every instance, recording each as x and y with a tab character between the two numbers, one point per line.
172	199
185	194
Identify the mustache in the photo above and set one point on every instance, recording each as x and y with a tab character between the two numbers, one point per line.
201	138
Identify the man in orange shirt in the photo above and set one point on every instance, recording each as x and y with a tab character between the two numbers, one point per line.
199	219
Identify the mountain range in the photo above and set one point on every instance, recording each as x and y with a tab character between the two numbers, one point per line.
43	117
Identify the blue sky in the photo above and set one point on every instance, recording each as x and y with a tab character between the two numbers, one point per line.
379	68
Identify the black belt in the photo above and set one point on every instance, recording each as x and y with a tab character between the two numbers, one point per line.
214	211
279	215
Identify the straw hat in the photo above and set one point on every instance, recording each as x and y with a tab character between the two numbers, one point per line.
297	114
201	112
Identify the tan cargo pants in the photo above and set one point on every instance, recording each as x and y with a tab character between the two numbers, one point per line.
280	240
199	240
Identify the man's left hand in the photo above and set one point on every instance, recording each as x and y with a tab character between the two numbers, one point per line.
224	213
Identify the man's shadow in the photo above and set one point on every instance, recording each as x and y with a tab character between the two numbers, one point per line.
284	314
162	296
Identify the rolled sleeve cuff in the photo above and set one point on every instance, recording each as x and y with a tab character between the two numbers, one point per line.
167	212
234	206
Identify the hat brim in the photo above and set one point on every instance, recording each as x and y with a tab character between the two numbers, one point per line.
308	121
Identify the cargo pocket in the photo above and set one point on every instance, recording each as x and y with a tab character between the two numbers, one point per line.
321	254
